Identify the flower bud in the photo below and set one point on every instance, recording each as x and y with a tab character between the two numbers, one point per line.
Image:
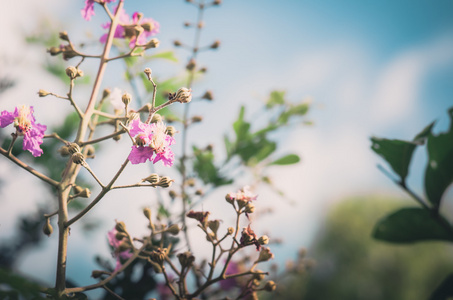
117	137
264	240
153	43
120	235
214	225
270	286
249	208
123	246
186	259
203	70
217	2
156	267
47	228
43	93
208	96
165	182
133	116
173	229
191	64
85	193
126	98
171	130
156	118
183	95
172	194
54	51
187	24
265	254
215	45
153	178
78	158
258	275
241	203
71	72
159	255
64	151
197	119
230	230
97	273
140	140
177	43
147	213
64	36
121	227
199	192
77	189
148	26
73	148
190	182
79	73
106	93
230	197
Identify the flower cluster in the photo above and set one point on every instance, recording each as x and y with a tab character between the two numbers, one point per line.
137	29
127	28
116	244
26	125
151	139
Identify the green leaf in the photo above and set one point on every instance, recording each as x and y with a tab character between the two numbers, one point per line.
420	138
410	225
168	55
241	128
300	109
203	166
275	98
286	160
397	153
439	170
445	290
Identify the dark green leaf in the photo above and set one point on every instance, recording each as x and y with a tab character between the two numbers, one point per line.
445	290
275	98
439	170
397	153
203	166
410	225
286	160
168	55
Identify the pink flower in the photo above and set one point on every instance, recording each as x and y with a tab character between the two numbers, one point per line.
228	284
245	195
114	242
126	28
88	10
151	140
24	121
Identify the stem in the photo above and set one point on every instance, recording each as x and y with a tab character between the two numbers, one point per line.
404	187
87	167
185	128
104	191
10	148
102	138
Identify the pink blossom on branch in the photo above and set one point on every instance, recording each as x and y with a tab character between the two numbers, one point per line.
88	10
115	243
26	125
126	28
152	140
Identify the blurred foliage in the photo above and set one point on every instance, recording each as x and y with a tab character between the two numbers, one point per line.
350	265
426	223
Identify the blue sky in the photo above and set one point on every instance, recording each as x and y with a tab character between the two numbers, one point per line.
380	68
